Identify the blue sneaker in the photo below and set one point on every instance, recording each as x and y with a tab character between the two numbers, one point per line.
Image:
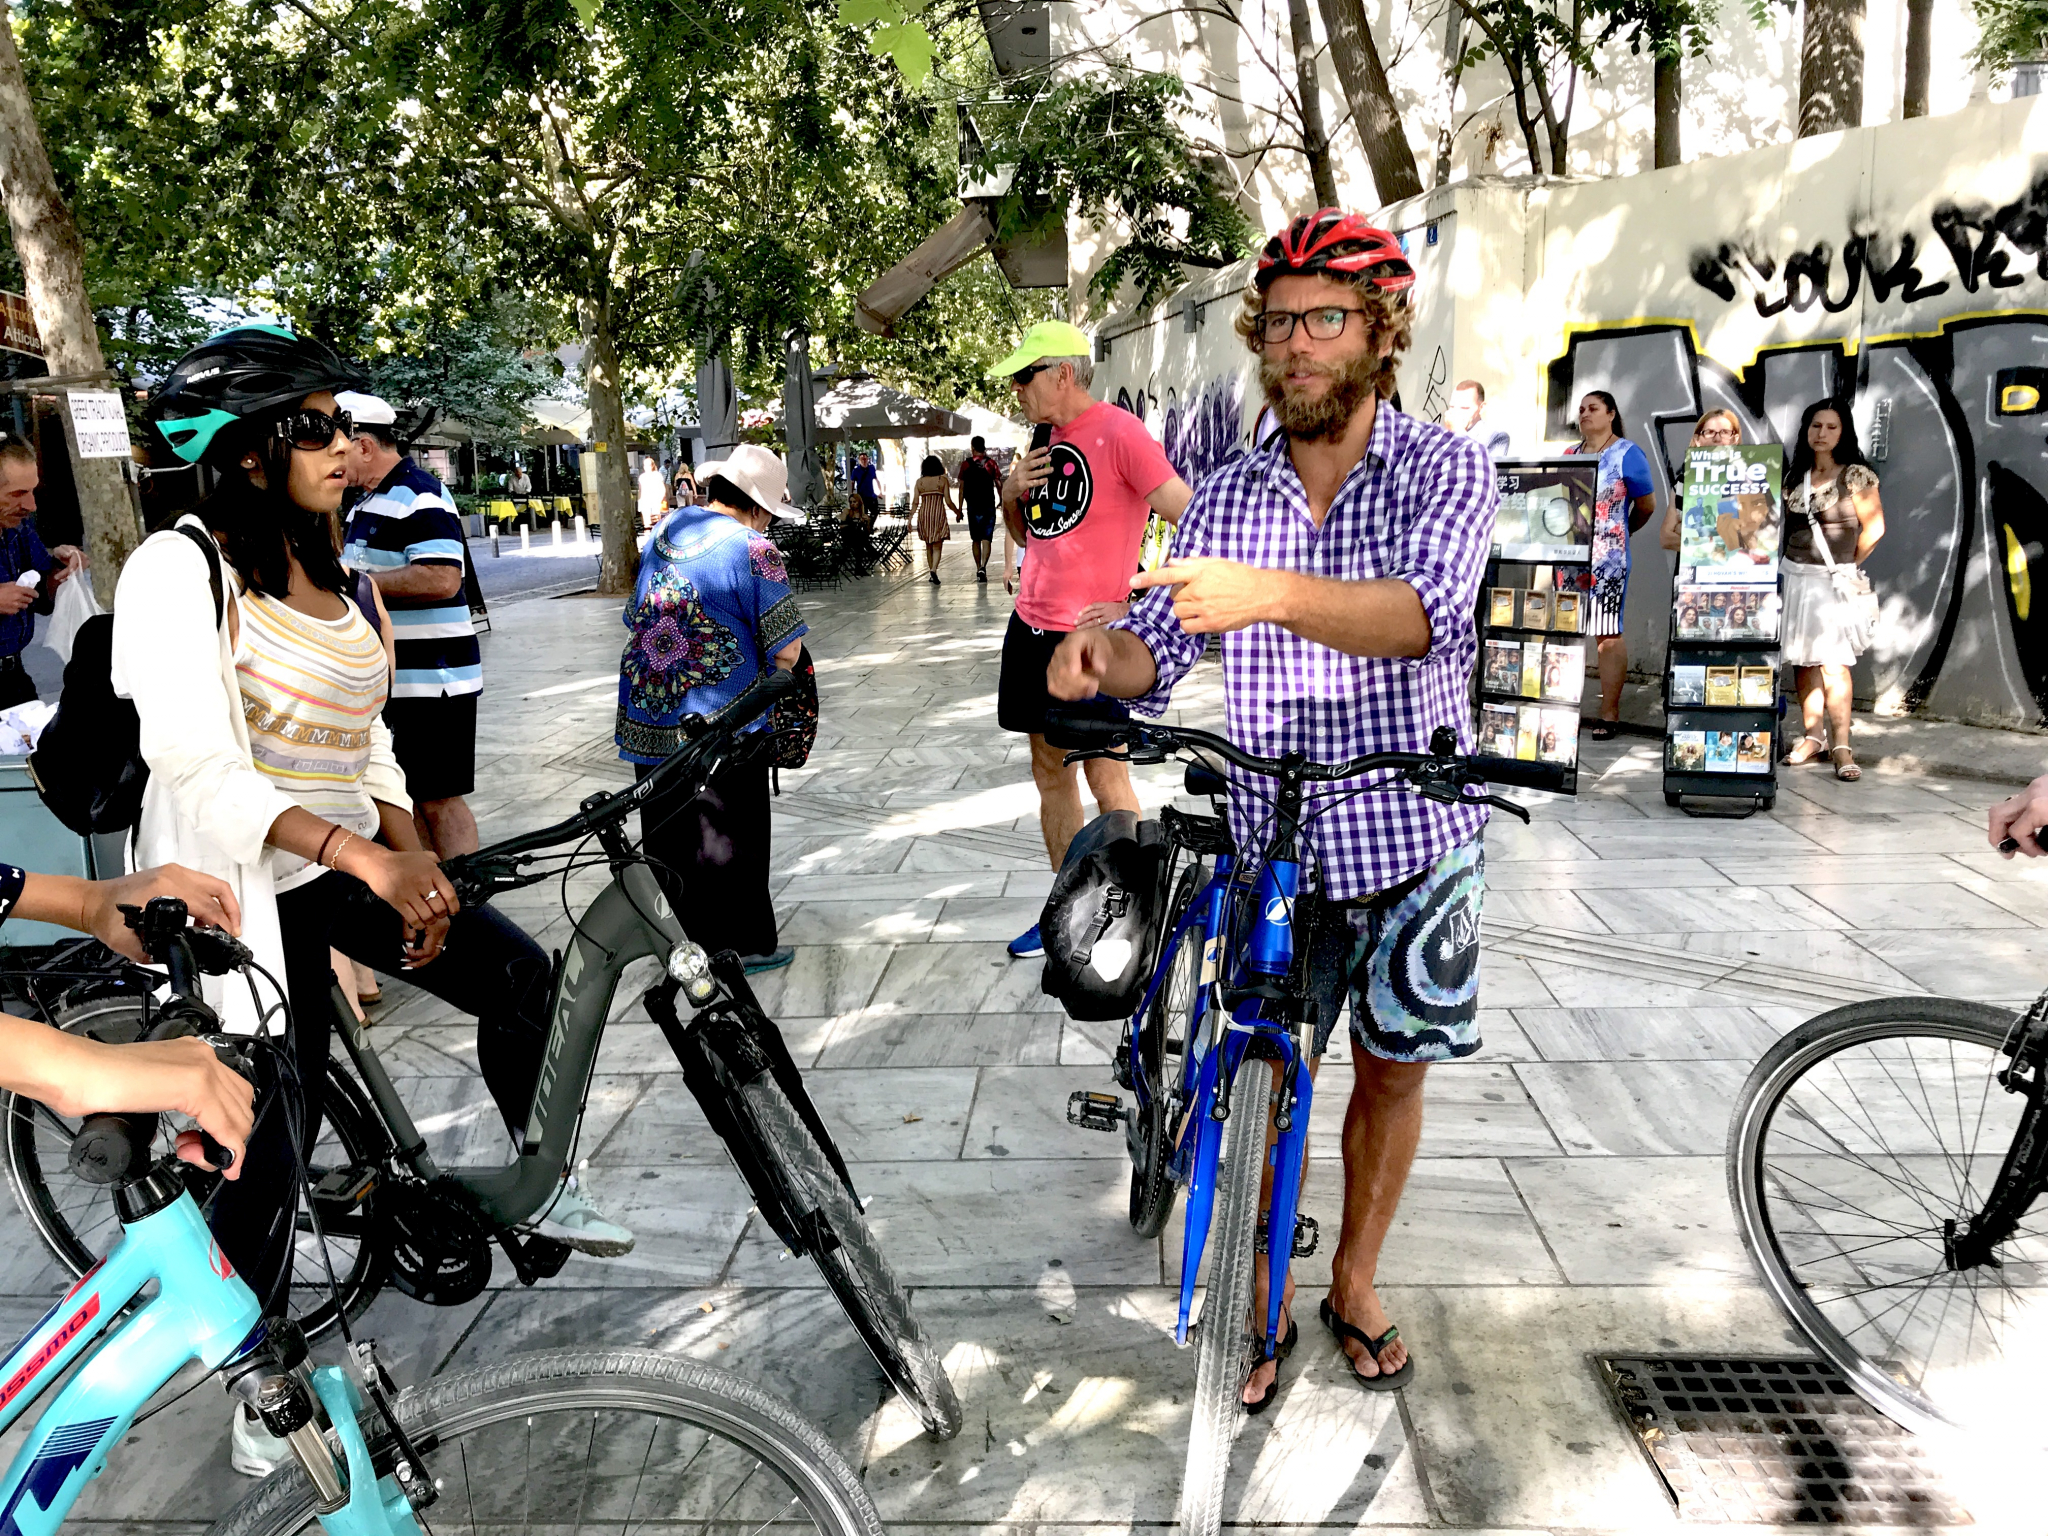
1027	945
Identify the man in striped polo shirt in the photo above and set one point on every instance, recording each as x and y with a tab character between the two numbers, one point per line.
406	535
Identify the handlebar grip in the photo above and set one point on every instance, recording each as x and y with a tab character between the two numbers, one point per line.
1509	770
1086	726
215	1153
110	1148
767	688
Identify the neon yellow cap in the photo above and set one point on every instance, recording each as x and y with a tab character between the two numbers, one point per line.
1048	338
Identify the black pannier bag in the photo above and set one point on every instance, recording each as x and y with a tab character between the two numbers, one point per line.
1101	923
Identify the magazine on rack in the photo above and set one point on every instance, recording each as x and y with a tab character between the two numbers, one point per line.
1546	510
1564	612
1689	751
1754	687
1500	607
1731	527
1529	731
1499	729
1535	610
1503	667
1564	673
1753	752
1560	740
1720	751
1688	685
1532	669
1721	687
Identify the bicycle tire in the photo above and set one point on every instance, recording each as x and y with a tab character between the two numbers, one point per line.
566	1385
1150	1137
76	1220
1222	1352
1794	1107
852	1263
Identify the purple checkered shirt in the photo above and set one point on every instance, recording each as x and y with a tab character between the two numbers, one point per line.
1418	508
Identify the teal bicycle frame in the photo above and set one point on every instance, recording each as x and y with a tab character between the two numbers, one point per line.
201	1311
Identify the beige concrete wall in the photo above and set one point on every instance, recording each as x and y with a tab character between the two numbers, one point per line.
1899	268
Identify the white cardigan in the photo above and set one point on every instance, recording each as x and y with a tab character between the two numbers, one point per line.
206	805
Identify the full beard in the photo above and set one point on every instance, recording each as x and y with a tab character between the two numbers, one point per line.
1352	383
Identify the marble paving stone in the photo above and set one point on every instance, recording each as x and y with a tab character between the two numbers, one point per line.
979	919
1585	874
903	885
1716	908
823	979
1920	904
1661	1221
876	1037
665	1127
1512	1425
894	1114
1913	833
940	855
1022	1112
1636	1108
1987	966
1509	981
685	1219
1574	986
939	978
464	1129
1552	908
1471	1109
1035	884
1509	842
856	922
797	853
1813	957
1647	1034
995	1221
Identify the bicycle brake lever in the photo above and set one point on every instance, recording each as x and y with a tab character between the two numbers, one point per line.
1503	805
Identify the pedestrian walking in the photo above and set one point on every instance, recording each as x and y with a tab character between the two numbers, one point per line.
862	478
1717	429
711	611
22	555
1080	504
653	492
683	488
1467	416
981	487
257	683
1340	561
405	534
933	498
1833	519
1623	501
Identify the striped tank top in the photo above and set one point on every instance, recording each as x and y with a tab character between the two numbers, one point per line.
311	688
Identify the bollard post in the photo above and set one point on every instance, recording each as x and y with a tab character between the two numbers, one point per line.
496	553
557	529
525	538
582	530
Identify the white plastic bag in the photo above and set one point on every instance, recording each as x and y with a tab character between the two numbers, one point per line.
75	604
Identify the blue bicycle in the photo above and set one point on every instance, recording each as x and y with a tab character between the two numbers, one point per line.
566	1441
1227	1024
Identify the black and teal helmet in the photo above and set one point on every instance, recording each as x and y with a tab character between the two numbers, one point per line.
243	372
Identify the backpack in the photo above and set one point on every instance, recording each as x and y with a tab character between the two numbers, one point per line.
88	764
793	718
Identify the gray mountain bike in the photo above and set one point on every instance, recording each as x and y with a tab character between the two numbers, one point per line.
381	1207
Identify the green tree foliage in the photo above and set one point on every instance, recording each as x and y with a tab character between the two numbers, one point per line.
481	369
2010	32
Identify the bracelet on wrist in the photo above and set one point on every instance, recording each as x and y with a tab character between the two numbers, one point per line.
321	857
346	839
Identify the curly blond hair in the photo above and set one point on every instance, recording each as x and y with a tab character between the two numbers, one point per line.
1387	316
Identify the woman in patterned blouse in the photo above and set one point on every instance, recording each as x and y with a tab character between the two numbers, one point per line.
711	610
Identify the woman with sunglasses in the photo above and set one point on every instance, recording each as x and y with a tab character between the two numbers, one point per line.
271	769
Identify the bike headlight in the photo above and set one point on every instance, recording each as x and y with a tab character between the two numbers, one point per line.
690	966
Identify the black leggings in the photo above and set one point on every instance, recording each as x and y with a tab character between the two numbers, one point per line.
711	855
490	969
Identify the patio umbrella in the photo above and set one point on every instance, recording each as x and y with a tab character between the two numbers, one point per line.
863	408
717	406
800	422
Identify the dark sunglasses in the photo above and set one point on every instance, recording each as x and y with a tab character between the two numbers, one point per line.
315	429
1024	376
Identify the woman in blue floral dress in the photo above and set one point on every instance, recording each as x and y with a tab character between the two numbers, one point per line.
711	610
1623	501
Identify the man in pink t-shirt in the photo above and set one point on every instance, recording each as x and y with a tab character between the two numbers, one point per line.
1079	507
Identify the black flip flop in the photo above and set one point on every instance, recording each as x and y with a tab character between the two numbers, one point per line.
1281	1350
1383	1382
1605	730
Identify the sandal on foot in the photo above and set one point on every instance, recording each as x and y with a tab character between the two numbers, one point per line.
1384	1382
1845	768
1281	1350
1605	730
1792	760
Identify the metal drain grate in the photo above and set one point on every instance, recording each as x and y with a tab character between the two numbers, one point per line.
1774	1442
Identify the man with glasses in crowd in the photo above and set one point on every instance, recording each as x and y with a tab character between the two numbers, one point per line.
1079	506
406	535
1340	560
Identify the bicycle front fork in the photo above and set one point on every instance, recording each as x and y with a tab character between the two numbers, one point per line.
1213	1105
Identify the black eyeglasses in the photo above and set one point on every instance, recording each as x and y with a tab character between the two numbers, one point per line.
1324	324
1024	376
315	429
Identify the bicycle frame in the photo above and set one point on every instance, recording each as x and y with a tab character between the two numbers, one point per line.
629	920
201	1311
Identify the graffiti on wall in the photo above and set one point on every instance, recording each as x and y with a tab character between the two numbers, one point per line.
1200	434
1956	420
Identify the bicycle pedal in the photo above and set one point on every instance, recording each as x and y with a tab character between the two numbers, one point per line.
1095	1111
1307	1233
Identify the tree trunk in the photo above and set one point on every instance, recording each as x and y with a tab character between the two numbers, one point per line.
1308	87
53	266
617	512
1919	55
1667	94
1831	67
1454	53
1371	100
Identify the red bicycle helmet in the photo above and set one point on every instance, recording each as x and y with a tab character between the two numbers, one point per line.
1333	241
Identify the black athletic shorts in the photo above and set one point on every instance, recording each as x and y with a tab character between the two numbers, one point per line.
435	740
1021	699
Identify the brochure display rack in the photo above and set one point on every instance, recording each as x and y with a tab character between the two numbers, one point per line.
1720	682
1532	662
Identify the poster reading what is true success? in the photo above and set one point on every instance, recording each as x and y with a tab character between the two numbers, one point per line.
1733	520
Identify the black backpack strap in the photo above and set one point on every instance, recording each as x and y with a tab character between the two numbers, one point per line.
212	550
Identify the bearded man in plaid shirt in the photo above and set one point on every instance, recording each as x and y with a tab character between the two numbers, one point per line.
1341	561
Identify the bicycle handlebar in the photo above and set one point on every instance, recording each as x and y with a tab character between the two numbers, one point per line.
477	876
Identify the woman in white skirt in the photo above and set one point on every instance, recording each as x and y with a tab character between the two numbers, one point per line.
1833	519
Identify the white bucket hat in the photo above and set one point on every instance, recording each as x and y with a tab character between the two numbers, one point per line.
760	473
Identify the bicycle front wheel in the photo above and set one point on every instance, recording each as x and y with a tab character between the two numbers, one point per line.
1858	1139
610	1440
1224	1354
851	1260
